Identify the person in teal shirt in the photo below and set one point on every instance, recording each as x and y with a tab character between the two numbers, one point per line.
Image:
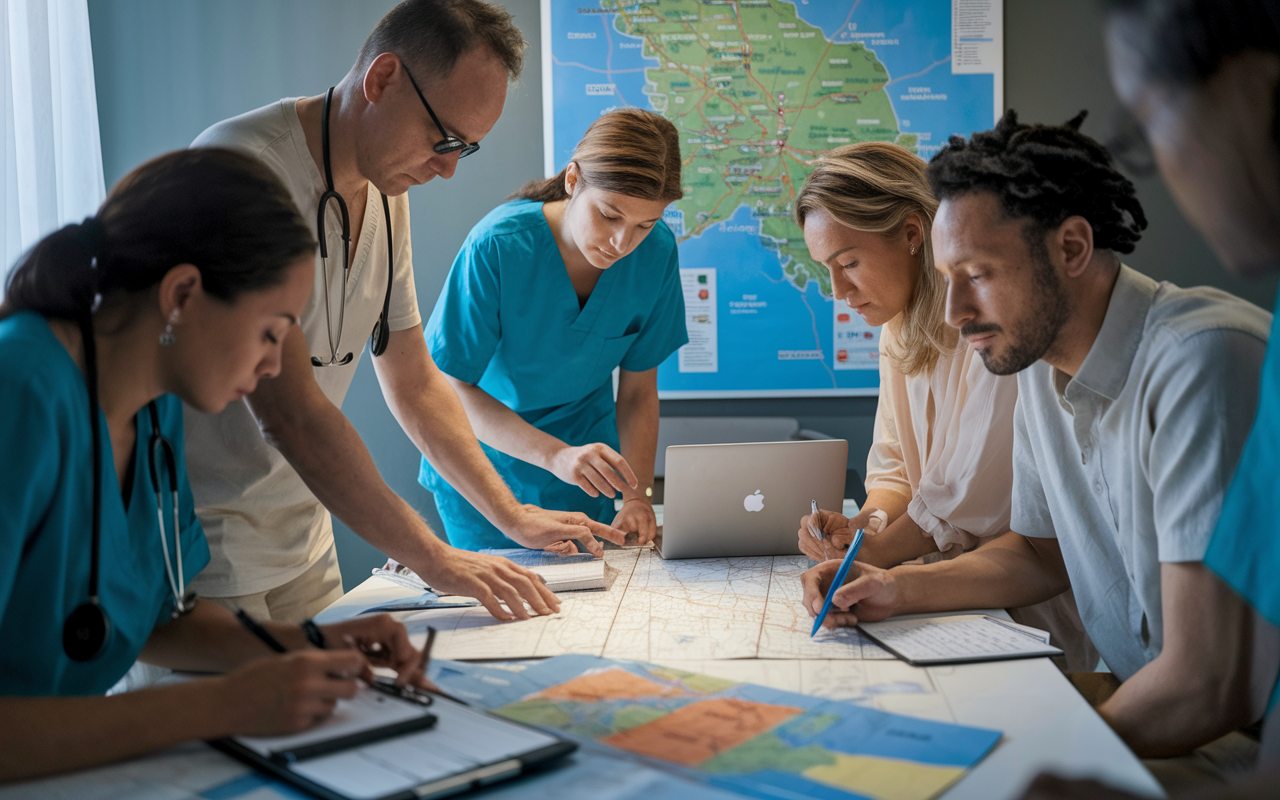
182	288
575	277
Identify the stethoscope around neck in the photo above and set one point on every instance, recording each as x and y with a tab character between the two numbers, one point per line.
380	335
87	628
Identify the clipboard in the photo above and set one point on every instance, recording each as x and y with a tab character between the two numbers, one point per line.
378	747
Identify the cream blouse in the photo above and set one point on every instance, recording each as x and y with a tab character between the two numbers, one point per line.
944	438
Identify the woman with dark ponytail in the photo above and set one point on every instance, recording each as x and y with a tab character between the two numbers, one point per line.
576	276
180	289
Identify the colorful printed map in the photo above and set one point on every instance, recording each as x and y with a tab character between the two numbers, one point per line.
757	90
742	737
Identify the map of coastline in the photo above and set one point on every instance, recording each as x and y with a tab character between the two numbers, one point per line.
757	90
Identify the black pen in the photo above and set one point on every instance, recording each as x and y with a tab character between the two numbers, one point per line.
261	632
426	660
389	686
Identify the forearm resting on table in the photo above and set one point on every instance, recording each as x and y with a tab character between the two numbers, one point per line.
903	540
44	735
892	502
211	639
1007	572
1199	687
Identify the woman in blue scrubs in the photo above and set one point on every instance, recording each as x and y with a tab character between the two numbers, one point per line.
552	291
180	289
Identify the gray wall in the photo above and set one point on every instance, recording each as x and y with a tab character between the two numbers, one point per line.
167	69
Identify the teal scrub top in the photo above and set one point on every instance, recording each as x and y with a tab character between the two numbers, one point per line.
1245	547
508	321
46	501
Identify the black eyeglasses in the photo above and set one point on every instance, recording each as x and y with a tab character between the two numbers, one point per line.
449	144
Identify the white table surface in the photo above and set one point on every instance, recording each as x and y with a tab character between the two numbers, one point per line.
1047	725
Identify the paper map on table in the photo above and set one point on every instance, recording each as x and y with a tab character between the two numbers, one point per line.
654	610
751	739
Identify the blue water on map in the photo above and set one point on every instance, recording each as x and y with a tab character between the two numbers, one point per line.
609	57
919	60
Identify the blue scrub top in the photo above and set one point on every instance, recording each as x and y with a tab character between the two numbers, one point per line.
46	502
508	321
1245	547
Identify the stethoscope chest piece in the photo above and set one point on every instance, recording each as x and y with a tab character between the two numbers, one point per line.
85	632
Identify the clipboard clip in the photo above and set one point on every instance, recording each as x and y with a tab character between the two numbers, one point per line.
408	693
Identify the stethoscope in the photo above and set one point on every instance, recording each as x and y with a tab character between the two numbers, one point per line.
380	335
87	627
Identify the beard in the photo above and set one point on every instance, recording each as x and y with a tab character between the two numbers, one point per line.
1031	336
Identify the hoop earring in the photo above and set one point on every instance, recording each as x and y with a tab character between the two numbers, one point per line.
168	337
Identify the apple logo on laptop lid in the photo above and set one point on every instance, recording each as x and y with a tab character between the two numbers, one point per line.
754	502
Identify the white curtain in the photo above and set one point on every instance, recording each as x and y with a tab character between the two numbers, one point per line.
50	153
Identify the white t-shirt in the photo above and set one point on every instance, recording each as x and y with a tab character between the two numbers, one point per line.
264	525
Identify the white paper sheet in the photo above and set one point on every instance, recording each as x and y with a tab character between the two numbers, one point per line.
958	638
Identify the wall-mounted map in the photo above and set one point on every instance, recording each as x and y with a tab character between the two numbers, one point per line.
757	90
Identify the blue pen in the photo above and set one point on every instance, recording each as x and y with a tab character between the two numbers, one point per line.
838	581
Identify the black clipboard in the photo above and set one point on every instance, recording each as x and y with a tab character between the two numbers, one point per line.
482	773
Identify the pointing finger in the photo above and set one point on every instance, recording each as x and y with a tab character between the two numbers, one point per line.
606	532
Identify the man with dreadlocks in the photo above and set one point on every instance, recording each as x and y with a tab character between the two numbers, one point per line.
1134	401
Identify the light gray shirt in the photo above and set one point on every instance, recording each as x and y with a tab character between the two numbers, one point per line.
1126	464
264	525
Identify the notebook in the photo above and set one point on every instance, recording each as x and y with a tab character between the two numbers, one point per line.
958	639
562	573
378	747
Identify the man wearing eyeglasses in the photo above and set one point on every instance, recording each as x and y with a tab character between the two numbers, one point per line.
428	84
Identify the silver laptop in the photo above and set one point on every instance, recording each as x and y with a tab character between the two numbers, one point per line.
746	499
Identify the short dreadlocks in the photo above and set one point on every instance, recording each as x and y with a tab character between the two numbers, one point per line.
1044	173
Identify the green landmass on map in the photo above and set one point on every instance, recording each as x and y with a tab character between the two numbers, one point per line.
756	93
693	681
768	751
634	716
540	712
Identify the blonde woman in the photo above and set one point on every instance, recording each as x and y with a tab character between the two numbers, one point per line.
940	469
577	275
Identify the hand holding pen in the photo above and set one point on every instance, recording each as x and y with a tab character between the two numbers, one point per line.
824	535
379	638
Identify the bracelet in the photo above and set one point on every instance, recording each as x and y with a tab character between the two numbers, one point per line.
313	633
